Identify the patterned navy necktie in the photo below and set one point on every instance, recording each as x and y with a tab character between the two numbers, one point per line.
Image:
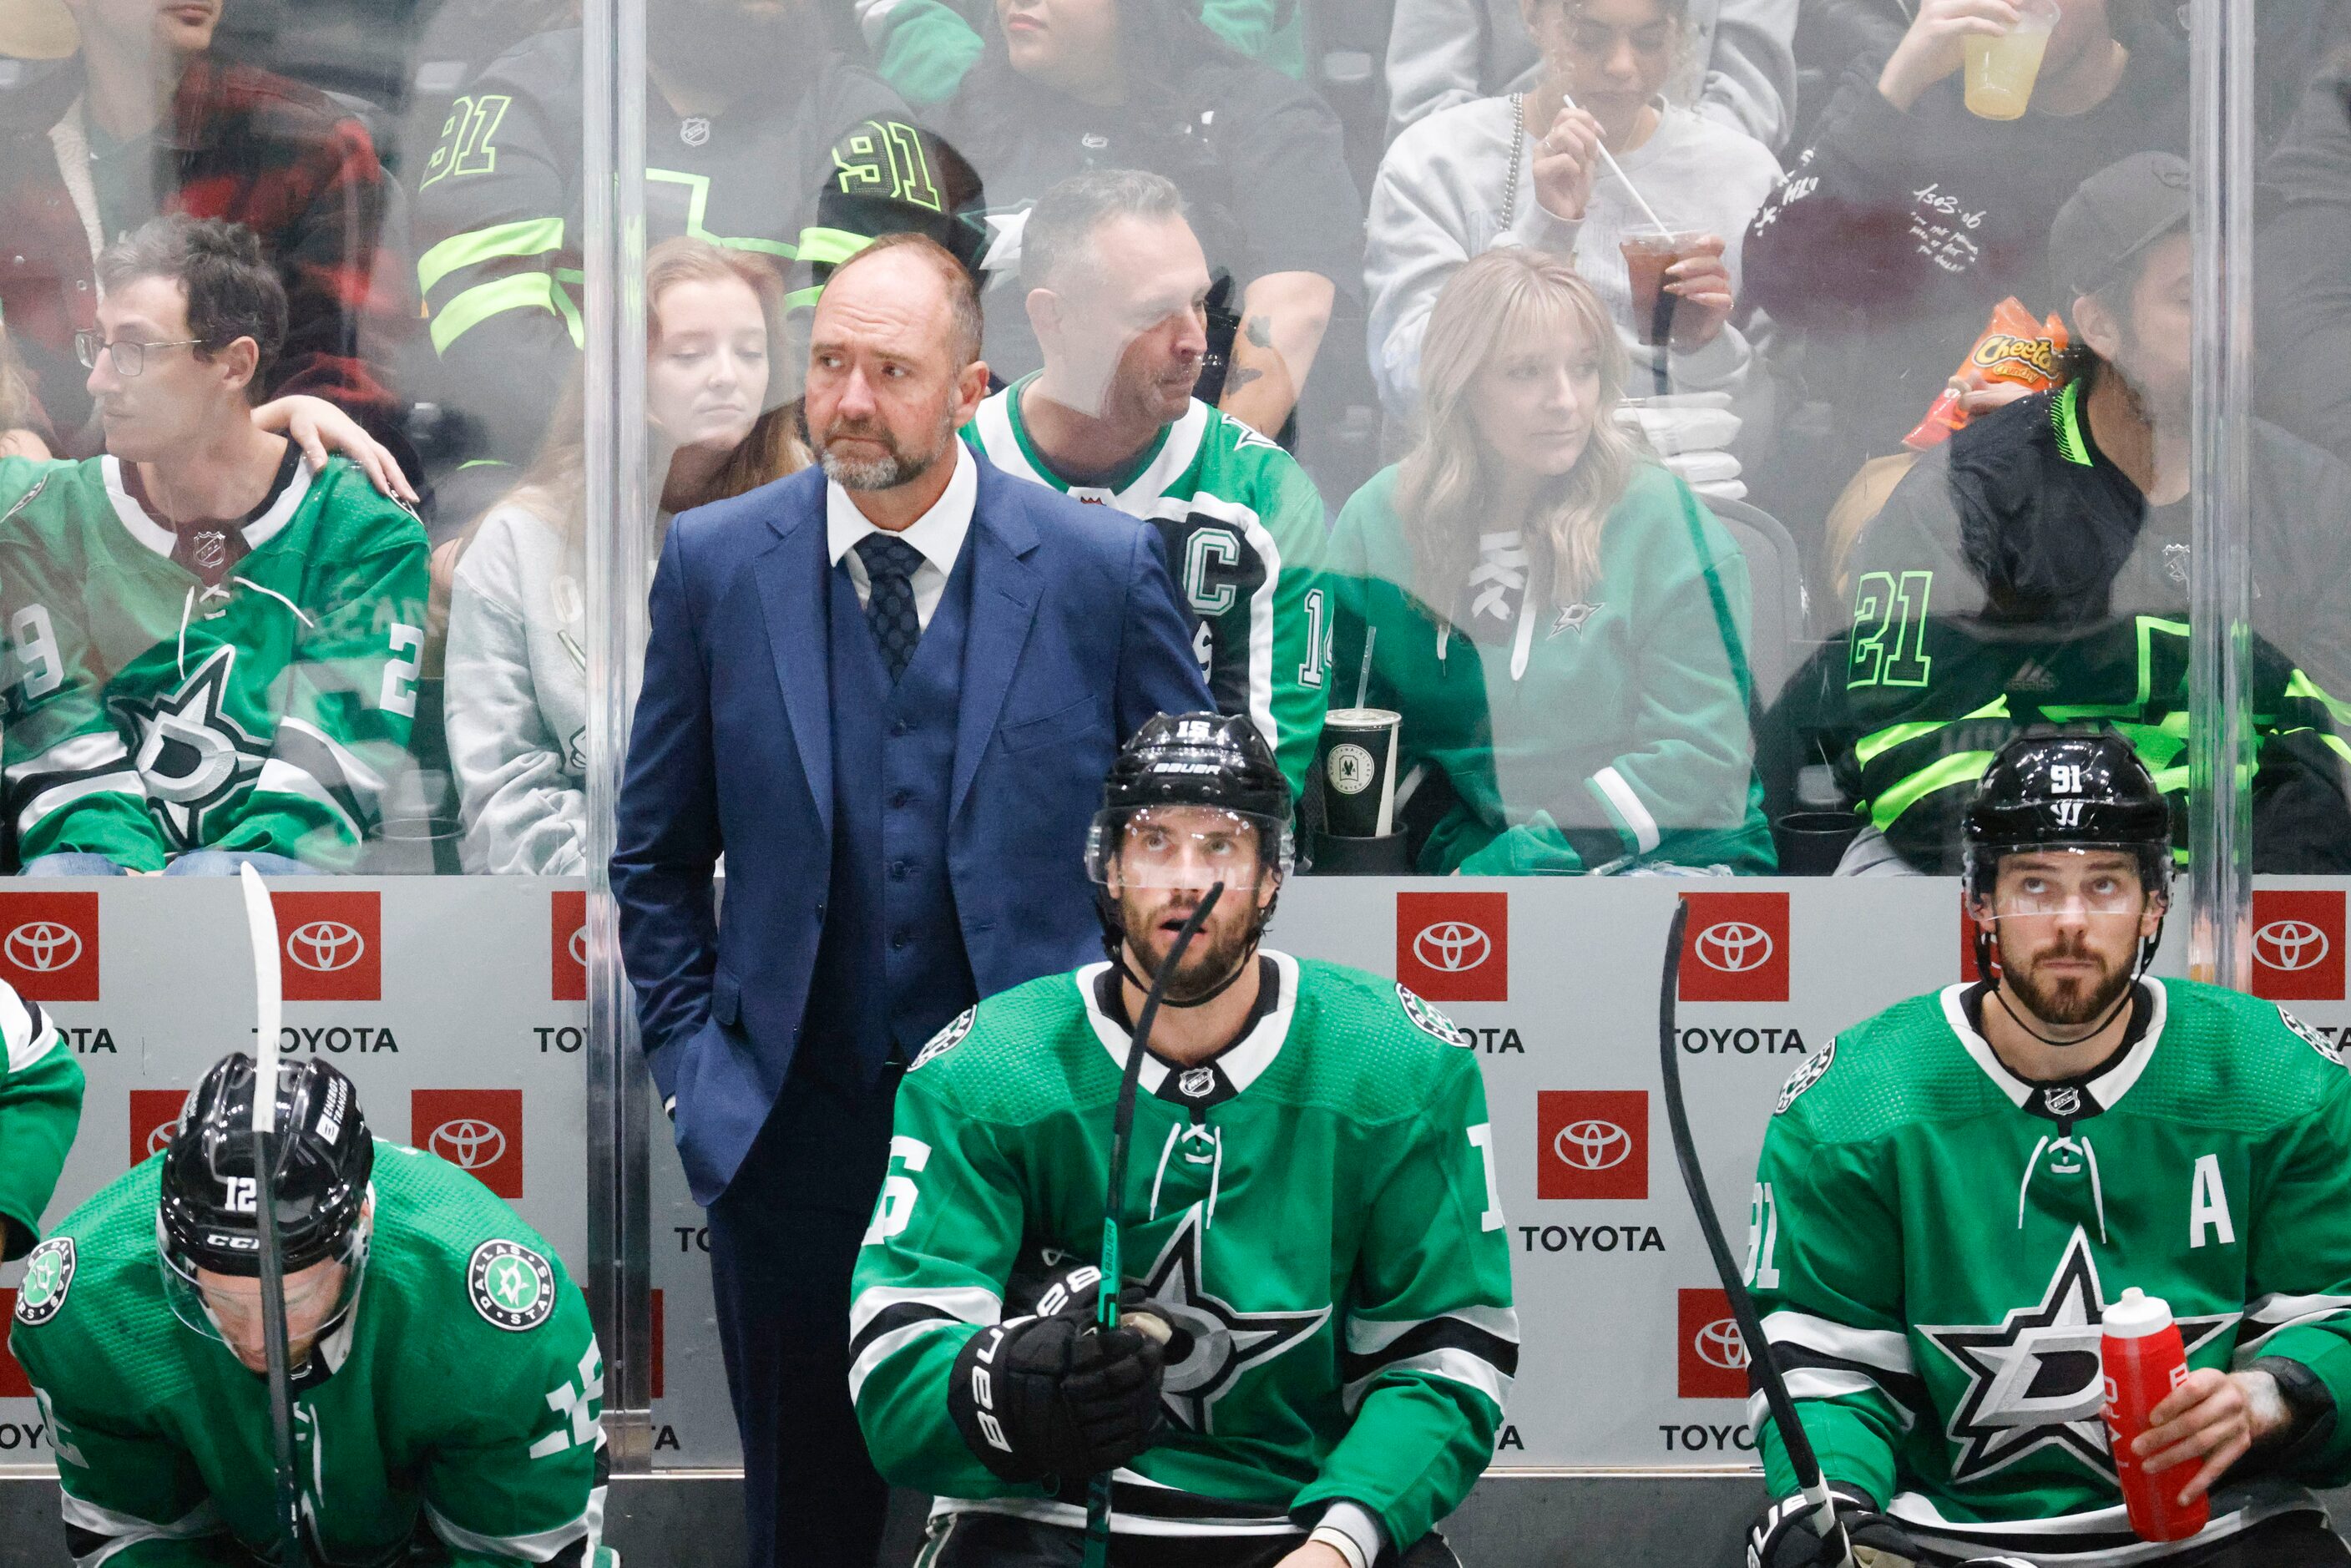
890	563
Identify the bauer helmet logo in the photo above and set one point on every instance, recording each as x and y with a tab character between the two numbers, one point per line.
1720	1344
1592	1146
44	946
2290	944
1734	947
1450	946
324	946
469	1143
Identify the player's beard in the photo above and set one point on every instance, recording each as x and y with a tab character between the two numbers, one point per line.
1218	949
894	468
2070	1003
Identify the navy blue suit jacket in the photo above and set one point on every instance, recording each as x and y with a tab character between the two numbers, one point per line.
1075	639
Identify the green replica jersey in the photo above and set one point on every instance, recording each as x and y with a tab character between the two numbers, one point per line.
149	714
1244	530
40	1107
1934	1242
455	1409
1315	1204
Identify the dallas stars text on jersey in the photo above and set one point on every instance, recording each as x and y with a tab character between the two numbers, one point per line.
1935	1240
1243	529
457	1407
1316	1206
149	714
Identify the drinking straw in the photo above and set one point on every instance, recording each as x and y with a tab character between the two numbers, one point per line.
1618	170
1363	681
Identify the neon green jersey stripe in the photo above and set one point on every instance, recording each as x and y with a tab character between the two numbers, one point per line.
531	291
827	247
1959	768
532	237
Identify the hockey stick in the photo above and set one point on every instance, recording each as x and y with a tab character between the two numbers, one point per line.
261	925
1793	1436
1121	1132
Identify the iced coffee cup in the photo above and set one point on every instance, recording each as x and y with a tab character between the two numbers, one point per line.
1649	255
2000	71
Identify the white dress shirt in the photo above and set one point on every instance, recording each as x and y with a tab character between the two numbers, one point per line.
937	533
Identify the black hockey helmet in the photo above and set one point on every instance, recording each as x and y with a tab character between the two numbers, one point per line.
1208	759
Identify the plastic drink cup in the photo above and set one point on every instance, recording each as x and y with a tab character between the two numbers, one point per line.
1358	761
1647	256
2139	1351
2000	71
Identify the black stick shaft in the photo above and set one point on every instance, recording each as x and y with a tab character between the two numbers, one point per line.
1793	1436
273	1348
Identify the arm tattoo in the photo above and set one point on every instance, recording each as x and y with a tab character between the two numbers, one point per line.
1240	376
1258	330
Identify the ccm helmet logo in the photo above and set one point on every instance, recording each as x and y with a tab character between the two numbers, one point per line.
1734	947
44	946
1720	1345
468	1143
2287	945
1450	946
1592	1146
324	946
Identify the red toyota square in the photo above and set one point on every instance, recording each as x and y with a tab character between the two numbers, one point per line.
476	1130
1592	1143
155	1117
2298	945
1737	950
1711	1355
333	945
48	945
661	1345
1454	947
13	1384
567	945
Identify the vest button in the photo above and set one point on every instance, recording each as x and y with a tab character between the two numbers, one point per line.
898	942
900	799
898	869
900	727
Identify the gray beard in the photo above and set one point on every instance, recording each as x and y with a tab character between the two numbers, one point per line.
880	474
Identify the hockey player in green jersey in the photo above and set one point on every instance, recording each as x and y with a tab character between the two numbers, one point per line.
1116	286
40	1107
1952	1194
1319	1339
212	648
447	1387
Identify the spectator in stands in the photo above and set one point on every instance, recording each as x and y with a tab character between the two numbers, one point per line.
1907	218
1527	170
1116	290
2306	286
925	47
746	102
1442	53
1559	621
22	426
517	678
144	119
215	649
1070	85
2037	568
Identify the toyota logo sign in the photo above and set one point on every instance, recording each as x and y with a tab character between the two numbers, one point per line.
468	1143
1734	947
43	947
323	947
1592	1146
1451	945
159	1138
2287	945
1720	1345
579	946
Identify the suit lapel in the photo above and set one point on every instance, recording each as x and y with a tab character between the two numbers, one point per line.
795	583
1003	605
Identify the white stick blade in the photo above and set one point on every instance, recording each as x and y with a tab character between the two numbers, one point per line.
261	925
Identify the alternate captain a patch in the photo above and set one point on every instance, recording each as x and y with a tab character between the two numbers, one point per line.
512	1286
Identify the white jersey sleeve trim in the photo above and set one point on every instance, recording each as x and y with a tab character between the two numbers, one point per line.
1453	1366
1886	1349
543	1547
123	1531
1369	1336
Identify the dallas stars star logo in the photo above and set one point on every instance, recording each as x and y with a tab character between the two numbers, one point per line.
2034	1381
1225	1342
192	755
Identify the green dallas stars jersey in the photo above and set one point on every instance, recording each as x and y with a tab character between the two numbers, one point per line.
149	715
1244	530
459	1401
1323	1218
40	1107
1934	1242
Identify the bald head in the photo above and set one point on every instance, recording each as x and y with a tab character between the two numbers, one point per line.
923	271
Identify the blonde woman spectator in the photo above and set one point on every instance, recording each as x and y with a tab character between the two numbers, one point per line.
1560	623
518	682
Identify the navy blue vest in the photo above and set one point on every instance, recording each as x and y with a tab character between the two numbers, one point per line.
891	969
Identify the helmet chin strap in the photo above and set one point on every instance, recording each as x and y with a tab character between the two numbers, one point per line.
1249	956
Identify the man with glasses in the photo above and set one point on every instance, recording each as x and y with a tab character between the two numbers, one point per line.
216	649
447	1388
1954	1192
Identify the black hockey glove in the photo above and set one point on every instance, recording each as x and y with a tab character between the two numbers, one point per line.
1056	1395
1783	1535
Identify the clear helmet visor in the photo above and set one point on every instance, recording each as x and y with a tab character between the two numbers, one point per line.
2100	885
226	1308
1177	846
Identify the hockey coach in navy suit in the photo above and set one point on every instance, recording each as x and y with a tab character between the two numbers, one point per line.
888	690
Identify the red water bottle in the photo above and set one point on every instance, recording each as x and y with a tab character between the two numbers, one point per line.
2140	1352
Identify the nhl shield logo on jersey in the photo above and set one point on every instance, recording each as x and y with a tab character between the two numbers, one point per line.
1429	1020
947	1039
2317	1041
1804	1078
512	1286
49	1274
